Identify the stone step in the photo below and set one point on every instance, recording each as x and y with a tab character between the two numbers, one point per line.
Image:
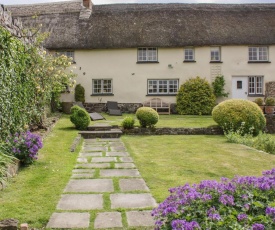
113	133
102	127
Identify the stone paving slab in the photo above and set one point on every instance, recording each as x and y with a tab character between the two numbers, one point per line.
109	139
118	149
108	220
117	154
124	166
82	175
140	218
83	171
143	200
94	165
129	185
80	202
126	159
103	159
69	220
119	172
82	160
94	149
93	154
90	185
117	143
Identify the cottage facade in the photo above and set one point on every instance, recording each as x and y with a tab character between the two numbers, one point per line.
130	53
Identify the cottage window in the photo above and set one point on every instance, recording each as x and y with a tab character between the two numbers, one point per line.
69	54
102	86
215	54
258	54
163	86
147	55
189	54
255	85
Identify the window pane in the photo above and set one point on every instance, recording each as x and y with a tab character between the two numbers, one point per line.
215	54
162	86
102	86
189	54
147	54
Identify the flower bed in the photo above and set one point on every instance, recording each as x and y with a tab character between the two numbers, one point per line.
240	203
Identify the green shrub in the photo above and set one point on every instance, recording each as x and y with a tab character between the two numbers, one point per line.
128	123
147	117
79	93
79	117
195	97
259	101
270	101
218	87
265	142
233	114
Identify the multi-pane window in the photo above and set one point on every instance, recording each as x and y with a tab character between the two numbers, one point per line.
69	54
102	86
255	85
163	86
215	54
189	54
147	55
258	53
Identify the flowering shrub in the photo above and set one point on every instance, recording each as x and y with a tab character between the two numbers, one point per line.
241	203
24	146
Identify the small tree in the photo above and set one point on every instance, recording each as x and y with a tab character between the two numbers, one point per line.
79	93
218	87
195	97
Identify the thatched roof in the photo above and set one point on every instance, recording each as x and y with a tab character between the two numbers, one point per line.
151	25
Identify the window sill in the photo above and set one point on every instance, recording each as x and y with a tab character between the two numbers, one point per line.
161	95
215	62
146	62
256	95
186	61
102	94
249	62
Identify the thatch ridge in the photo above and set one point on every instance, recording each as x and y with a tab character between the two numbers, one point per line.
158	25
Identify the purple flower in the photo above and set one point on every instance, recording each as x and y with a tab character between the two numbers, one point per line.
257	226
227	199
184	225
270	211
242	216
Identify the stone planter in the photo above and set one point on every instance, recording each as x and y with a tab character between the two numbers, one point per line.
269	109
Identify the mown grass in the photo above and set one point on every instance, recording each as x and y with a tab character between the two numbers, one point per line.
170	161
33	194
173	121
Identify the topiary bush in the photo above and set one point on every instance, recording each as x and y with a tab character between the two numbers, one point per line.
79	93
195	97
236	114
79	117
128	123
147	117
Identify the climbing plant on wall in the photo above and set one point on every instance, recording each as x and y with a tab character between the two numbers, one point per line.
30	78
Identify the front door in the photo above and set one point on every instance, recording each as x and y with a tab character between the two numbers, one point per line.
239	87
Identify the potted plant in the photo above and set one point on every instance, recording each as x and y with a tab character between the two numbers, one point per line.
260	103
269	105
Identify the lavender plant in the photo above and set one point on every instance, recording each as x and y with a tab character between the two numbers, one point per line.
241	203
24	146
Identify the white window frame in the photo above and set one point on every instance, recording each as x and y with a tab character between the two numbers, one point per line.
215	54
102	86
255	85
147	54
189	54
68	53
258	53
162	86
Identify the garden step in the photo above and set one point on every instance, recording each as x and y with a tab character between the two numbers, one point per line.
100	127
113	133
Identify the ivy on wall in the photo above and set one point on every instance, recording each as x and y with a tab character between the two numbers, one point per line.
30	79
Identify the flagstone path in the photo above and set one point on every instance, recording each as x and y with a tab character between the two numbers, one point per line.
105	191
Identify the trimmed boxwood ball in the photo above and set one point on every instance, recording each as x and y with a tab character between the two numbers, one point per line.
79	117
195	97
147	117
79	93
128	123
234	114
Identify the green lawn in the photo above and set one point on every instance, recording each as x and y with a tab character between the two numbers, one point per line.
173	121
33	194
169	161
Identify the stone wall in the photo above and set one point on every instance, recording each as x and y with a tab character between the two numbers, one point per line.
14	26
101	107
174	131
270	123
270	89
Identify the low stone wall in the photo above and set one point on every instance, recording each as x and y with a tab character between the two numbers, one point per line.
270	123
11	172
174	131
